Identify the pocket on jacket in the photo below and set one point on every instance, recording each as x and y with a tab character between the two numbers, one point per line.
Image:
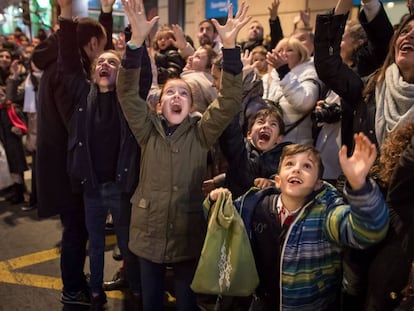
139	214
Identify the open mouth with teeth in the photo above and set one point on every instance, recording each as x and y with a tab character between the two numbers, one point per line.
407	47
294	180
264	137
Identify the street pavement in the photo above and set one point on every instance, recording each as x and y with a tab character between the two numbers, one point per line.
29	262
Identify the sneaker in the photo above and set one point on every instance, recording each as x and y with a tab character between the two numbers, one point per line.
76	298
28	208
98	302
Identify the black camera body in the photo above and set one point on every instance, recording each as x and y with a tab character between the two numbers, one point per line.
327	113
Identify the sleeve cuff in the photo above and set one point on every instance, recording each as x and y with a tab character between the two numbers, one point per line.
232	61
132	57
367	188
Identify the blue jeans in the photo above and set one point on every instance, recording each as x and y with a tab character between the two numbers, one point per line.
152	280
106	197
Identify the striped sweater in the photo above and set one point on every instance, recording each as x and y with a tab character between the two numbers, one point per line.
311	254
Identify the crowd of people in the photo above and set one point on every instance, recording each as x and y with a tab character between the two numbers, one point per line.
312	134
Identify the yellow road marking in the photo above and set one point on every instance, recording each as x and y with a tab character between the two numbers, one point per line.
10	276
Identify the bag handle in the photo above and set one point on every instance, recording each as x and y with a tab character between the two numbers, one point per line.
224	210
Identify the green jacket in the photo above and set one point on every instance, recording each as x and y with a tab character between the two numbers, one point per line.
167	222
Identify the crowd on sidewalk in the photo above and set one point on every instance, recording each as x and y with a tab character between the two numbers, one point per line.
311	133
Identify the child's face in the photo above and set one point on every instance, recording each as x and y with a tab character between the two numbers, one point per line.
261	59
175	101
265	133
105	71
198	61
298	176
164	41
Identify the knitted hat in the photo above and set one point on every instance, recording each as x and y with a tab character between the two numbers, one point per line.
201	84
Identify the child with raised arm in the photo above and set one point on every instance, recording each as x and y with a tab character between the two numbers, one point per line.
298	234
167	224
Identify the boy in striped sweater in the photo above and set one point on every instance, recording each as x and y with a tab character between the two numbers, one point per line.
298	231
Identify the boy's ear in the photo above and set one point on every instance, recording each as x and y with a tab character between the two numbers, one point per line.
249	135
277	181
280	138
318	184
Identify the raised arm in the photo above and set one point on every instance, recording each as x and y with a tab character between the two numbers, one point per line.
276	32
343	7
219	114
228	32
336	75
134	69
107	21
69	57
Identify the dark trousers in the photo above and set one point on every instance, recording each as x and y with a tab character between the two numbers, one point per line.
73	247
131	260
152	280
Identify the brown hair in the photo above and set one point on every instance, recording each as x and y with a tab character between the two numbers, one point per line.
268	112
88	28
379	76
391	151
161	31
177	79
293	149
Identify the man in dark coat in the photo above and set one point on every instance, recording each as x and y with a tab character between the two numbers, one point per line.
54	188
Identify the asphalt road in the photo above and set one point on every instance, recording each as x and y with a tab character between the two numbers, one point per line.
29	262
29	265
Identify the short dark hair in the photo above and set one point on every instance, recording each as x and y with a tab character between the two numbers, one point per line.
293	149
88	28
268	112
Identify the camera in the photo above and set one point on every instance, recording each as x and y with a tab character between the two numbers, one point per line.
327	113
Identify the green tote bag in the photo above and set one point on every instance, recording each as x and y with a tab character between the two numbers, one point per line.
226	265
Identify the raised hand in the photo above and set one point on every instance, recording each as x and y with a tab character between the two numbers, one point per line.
274	10
107	5
305	17
275	59
357	166
140	26
65	8
228	33
246	58
179	41
343	7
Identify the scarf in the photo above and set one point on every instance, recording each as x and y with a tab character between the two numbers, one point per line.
14	118
394	98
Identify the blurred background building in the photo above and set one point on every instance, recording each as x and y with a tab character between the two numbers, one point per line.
32	15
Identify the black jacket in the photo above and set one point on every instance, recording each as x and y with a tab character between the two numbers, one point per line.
358	112
245	162
83	95
53	112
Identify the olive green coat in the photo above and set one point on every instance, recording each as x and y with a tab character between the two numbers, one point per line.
167	221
